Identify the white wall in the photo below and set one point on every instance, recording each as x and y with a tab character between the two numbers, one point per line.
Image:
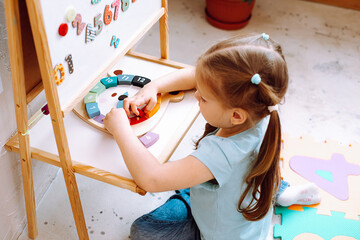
12	205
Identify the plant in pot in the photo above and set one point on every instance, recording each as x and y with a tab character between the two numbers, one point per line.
229	14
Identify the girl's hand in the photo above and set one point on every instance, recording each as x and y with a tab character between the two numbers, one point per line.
116	120
147	95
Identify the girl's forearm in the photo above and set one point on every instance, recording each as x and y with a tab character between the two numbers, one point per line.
138	159
183	79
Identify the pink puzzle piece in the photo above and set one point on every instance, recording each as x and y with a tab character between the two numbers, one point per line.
337	166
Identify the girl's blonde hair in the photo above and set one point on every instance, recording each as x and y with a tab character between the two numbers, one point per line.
226	69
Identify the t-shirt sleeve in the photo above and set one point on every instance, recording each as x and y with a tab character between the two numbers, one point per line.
211	153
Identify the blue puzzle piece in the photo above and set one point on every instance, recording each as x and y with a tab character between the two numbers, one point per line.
308	221
121	98
92	109
125	79
120	104
109	82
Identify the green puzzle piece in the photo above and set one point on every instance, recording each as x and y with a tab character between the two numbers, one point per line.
307	221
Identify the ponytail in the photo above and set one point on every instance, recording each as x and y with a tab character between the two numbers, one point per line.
264	178
208	129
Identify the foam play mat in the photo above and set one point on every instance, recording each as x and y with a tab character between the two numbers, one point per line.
335	169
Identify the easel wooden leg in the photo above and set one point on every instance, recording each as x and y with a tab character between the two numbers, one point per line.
27	175
75	202
164	32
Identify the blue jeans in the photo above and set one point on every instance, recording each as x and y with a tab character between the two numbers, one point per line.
171	221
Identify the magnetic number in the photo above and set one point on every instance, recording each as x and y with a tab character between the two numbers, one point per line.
98	24
78	23
116	5
107	15
69	60
115	41
90	33
125	5
59	68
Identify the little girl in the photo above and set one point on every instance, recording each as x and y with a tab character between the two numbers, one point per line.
233	174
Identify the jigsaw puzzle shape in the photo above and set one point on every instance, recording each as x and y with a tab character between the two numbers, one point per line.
321	171
311	236
295	223
323	150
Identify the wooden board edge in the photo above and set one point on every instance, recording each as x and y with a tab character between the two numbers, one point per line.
80	168
162	61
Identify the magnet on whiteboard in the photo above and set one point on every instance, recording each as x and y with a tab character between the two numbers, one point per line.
114	41
70	14
63	29
90	33
59	68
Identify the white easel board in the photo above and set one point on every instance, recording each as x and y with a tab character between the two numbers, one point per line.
127	21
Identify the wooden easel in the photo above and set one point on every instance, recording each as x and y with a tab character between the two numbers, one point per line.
30	78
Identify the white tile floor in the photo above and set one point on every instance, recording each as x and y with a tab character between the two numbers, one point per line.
322	48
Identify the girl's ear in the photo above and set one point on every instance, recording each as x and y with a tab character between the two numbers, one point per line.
239	116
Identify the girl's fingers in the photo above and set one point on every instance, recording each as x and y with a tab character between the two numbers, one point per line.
134	108
126	106
150	105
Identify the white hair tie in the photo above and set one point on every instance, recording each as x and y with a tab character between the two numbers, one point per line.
273	108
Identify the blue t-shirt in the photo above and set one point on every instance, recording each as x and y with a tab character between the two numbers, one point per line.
214	205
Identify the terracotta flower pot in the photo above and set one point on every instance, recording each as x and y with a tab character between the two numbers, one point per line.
229	14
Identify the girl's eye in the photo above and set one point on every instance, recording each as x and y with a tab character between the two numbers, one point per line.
202	99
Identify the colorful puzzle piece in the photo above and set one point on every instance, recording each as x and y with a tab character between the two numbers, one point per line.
99	118
323	152
92	109
149	139
109	82
120	104
125	79
295	223
140	81
330	175
156	108
98	88
138	119
121	98
90	98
